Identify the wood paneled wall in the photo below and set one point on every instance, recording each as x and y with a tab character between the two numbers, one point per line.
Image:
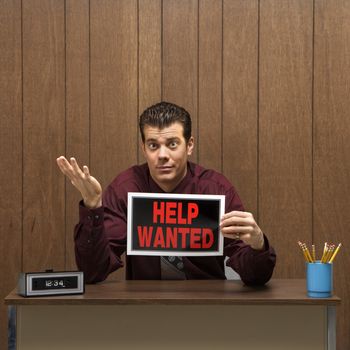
267	83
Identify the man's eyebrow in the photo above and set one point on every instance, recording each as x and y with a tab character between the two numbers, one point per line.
151	140
173	138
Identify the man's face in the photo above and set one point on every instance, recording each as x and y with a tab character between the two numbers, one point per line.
166	153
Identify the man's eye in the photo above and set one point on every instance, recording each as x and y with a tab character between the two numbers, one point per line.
173	144
152	146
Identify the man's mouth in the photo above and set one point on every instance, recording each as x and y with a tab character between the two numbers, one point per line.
164	167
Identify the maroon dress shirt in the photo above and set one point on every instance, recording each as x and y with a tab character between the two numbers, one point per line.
100	235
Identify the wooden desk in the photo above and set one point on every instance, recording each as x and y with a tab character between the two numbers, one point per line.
178	314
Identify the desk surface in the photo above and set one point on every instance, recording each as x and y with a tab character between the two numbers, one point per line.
191	292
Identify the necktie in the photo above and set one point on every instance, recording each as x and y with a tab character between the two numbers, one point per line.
172	268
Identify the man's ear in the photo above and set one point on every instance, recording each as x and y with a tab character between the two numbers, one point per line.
143	147
190	146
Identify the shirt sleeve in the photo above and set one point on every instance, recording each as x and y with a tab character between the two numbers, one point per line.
100	237
255	267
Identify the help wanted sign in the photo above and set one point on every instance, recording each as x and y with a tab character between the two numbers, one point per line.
174	224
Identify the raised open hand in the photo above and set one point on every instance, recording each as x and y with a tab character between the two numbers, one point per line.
86	184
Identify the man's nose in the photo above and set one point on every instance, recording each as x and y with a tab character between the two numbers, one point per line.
163	153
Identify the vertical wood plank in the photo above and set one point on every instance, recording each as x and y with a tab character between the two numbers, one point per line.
332	144
150	57
113	87
240	55
285	129
209	84
10	153
114	84
77	107
43	134
149	53
180	57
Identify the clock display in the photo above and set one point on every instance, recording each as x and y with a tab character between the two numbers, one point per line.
40	283
50	283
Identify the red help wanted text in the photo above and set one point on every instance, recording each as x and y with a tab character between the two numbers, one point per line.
177	224
168	237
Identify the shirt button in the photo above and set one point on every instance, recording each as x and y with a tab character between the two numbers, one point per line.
96	217
89	217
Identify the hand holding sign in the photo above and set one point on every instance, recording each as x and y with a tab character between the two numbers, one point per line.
87	185
241	225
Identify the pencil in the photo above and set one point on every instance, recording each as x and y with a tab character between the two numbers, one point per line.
335	253
303	250
325	250
330	253
313	253
300	245
308	253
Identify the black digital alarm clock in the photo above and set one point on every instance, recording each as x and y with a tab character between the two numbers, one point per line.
50	283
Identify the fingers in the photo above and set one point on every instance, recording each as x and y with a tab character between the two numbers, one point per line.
237	229
236	213
237	236
88	177
62	161
70	169
236	221
245	237
86	172
238	225
89	188
240	219
75	166
64	165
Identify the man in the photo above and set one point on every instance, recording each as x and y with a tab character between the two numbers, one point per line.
100	236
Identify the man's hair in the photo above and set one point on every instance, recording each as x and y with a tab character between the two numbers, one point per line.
162	115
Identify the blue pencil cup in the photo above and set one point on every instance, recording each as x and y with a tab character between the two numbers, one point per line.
319	279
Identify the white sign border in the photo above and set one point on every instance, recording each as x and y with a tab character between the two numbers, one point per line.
132	195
